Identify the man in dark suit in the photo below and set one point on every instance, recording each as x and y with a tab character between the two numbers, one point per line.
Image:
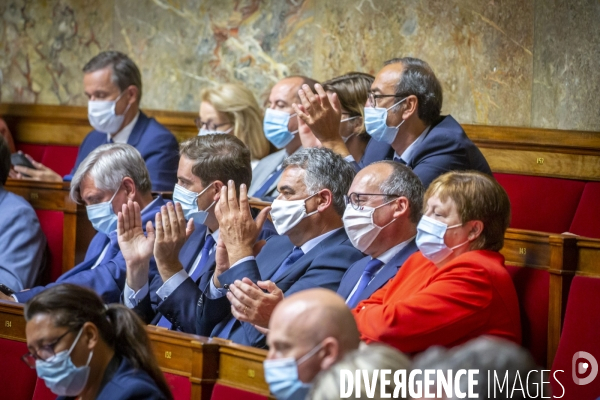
169	299
108	178
312	250
113	85
403	116
383	209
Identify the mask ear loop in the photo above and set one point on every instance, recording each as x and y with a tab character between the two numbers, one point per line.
314	212
373	213
309	354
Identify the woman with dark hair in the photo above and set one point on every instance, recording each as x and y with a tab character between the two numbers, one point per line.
83	349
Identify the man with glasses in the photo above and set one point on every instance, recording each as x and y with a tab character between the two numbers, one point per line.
403	116
113	86
312	250
382	211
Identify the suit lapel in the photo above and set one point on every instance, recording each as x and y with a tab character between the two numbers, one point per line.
190	250
273	254
138	129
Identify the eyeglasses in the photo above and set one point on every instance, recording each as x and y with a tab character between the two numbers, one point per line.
372	97
43	353
356	200
208	125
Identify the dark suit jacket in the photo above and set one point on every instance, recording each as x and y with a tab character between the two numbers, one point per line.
108	278
128	383
180	306
386	273
155	143
323	266
445	148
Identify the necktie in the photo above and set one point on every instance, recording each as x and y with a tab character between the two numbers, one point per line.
400	160
287	263
268	183
372	267
209	242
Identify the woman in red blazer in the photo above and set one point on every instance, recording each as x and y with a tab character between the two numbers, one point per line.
457	287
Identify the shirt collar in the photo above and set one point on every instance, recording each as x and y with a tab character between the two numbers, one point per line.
214	234
312	243
389	254
408	152
123	135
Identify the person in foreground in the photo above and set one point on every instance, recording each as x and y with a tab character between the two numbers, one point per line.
85	350
457	287
328	384
309	332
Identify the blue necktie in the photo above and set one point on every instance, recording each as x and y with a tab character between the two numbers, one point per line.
372	267
400	160
209	242
287	263
223	328
269	182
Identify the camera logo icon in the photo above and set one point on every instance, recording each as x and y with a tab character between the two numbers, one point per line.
580	367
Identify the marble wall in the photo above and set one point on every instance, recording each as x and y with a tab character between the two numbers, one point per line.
501	62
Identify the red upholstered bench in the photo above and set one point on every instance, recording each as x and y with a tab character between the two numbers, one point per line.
52	225
587	217
223	392
541	204
533	288
581	332
42	392
58	158
181	387
17	380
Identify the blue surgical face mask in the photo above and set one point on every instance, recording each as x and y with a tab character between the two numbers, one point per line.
189	203
61	376
275	126
430	239
204	132
282	376
102	216
375	123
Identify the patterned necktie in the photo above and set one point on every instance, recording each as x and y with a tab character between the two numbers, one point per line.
268	183
287	263
372	267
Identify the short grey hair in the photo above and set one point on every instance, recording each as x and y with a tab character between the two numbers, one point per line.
367	358
405	183
107	165
487	354
324	169
124	71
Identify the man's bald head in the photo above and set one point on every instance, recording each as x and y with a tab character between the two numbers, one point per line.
311	318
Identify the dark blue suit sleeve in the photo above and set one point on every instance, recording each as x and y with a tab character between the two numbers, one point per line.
162	160
180	307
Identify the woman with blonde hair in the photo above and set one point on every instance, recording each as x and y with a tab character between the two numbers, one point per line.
82	348
232	108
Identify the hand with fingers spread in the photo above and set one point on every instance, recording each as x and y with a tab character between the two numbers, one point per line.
40	173
249	302
237	229
135	247
322	112
172	231
307	137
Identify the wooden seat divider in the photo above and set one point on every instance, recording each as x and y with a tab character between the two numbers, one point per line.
77	230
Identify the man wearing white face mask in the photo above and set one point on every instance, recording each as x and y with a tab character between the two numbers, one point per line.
382	211
280	127
108	178
403	117
185	260
113	85
312	250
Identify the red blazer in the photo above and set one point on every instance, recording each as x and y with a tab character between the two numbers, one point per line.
424	305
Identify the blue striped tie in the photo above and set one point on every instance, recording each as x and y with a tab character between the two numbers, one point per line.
372	267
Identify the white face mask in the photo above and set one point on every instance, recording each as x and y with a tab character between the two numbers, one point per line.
360	227
286	214
204	132
103	117
430	239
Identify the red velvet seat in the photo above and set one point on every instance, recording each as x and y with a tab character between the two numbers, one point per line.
540	203
222	392
581	332
17	380
58	158
51	223
42	392
181	387
587	216
533	289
